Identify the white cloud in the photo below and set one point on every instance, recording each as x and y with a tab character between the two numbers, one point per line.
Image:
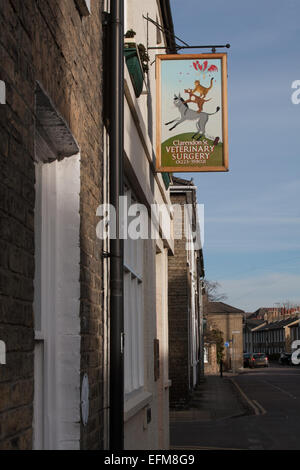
262	291
250	246
268	221
254	220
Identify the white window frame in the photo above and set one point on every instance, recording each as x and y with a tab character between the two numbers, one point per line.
206	359
106	6
134	380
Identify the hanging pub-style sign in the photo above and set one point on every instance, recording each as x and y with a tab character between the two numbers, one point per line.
192	113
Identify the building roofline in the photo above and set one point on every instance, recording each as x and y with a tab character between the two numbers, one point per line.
182	185
223	309
169	25
257	327
284	323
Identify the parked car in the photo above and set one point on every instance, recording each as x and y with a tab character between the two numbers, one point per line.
285	358
246	359
258	360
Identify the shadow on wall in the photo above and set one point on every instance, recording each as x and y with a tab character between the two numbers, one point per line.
178	336
67	62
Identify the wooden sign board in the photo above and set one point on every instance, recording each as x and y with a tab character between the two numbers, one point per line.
192	113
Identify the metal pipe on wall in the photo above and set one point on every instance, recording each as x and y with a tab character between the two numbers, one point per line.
116	130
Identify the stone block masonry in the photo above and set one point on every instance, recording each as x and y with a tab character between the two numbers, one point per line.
178	316
48	42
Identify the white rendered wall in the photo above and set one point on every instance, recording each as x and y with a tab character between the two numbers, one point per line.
139	145
57	301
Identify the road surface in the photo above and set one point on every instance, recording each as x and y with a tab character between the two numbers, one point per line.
274	396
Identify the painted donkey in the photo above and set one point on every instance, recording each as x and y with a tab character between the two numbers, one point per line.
187	114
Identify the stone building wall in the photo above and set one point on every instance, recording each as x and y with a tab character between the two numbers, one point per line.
229	323
178	317
51	43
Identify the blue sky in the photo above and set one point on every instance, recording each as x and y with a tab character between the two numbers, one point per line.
252	213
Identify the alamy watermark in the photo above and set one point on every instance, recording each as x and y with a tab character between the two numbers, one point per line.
296	94
296	352
136	221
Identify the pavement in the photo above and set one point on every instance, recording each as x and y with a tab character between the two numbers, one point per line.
215	398
258	409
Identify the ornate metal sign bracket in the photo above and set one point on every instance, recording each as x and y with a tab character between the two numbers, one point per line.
177	47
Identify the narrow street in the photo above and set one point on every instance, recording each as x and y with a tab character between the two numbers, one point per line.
274	394
149	227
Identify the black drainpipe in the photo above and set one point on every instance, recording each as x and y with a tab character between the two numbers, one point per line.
116	102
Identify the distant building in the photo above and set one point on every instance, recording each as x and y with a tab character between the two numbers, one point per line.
273	313
271	337
229	320
186	271
250	325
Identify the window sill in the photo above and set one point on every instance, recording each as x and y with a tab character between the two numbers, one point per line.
136	404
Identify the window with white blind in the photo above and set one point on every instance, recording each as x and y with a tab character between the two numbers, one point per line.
133	309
